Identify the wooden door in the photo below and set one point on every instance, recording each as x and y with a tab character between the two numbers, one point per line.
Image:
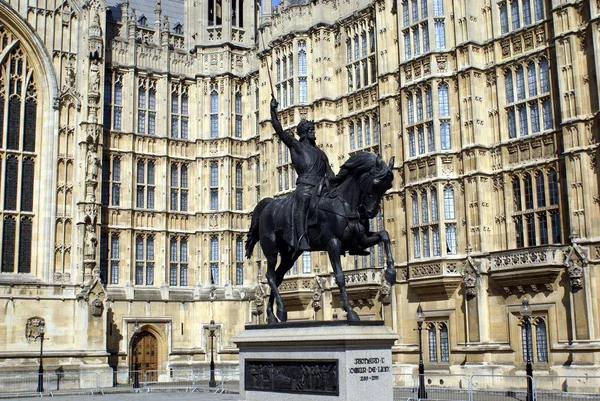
146	350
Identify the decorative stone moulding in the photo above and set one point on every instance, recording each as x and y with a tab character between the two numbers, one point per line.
434	281
297	293
362	287
523	270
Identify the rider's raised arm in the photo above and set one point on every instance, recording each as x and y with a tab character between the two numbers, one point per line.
283	135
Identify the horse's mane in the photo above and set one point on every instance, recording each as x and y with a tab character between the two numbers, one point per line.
357	165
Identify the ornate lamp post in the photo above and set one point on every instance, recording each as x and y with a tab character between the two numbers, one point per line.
212	328
42	331
420	317
526	314
136	365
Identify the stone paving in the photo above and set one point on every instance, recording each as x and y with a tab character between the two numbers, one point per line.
156	396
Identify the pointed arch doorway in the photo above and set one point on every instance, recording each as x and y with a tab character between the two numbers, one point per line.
144	352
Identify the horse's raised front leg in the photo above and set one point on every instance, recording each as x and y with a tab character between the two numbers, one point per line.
334	249
382	236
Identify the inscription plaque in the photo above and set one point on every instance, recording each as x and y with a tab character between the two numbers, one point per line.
292	376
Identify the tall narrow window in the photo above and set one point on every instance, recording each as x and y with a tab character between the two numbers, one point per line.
405	13
520	83
416	243
512	123
547	114
238	187
534	112
517	193
526	341
451	239
526	12
503	19
444	345
114	259
238	115
440	35
445	142
449	203
144	260
540	190
214	260
306	263
415	210
407	52
432	344
412	151
359	135
183	265
117	105
239	260
352	139
367	131
424	208
410	109
423	8
528	191
430	138
544	76
523	129
539	9
514	14
419	96
214	114
443	100
214	186
434	205
426	249
425	34
421	134
436	241
552	187
438	8
541	341
532	79
116	182
145	184
555	221
416	40
429	102
508	87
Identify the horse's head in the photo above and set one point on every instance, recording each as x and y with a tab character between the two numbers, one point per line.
375	184
373	176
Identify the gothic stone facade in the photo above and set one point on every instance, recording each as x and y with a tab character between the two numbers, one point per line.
135	141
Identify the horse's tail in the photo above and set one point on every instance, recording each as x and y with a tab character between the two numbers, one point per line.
253	237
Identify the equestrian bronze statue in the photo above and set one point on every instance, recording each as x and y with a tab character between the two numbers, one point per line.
326	213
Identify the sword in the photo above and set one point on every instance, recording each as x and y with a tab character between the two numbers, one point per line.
268	66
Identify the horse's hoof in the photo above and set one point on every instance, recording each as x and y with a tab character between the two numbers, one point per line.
352	316
390	276
271	320
282	315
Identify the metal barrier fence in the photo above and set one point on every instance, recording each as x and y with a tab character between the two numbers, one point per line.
63	383
495	387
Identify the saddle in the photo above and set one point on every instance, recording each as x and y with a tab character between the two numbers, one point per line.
312	218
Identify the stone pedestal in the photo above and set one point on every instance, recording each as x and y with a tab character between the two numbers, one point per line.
316	361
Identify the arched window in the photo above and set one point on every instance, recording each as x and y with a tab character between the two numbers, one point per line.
434	205
410	108
443	100
528	188
520	81
444	345
508	86
449	203
412	151
540	190
541	341
532	79
214	114
18	127
516	183
544	76
415	209
214	260
419	106
214	186
553	187
238	115
424	208
429	102
432	344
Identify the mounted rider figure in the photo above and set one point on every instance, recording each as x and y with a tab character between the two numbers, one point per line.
312	167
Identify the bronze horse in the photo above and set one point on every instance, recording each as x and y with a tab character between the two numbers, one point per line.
343	208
